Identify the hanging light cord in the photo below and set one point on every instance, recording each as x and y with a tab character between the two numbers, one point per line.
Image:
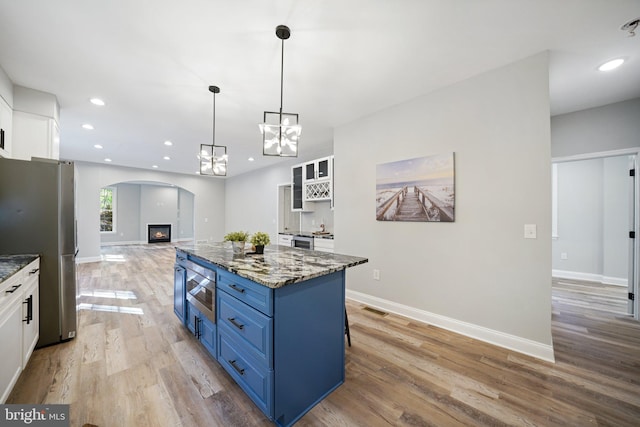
281	86
214	118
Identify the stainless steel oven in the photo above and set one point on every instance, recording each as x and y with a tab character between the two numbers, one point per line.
302	242
201	289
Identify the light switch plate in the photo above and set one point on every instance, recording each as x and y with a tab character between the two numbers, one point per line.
530	231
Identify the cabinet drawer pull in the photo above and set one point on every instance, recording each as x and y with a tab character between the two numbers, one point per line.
236	288
34	271
235	323
29	302
196	327
13	289
238	369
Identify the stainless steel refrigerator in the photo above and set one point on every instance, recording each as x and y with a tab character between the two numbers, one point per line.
37	215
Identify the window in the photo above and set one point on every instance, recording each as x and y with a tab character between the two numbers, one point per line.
107	210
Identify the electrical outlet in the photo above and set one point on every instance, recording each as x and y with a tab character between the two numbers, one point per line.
563	255
530	231
376	274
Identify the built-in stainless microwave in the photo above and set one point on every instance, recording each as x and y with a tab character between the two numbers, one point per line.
302	242
201	290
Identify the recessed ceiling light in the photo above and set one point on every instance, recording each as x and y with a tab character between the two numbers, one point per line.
168	143
97	101
107	159
155	166
87	126
251	159
98	146
611	65
167	158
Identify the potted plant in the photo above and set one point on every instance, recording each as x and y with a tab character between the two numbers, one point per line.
237	239
259	240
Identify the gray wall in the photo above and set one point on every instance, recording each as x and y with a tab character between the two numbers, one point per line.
252	198
185	214
138	205
6	88
127	215
208	210
593	220
158	205
478	275
612	127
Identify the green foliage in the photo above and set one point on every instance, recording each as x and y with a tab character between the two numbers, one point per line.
106	209
260	238
236	236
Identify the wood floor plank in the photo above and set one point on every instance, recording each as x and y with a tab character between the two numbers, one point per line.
134	364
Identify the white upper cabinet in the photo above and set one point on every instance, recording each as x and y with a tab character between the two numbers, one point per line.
318	184
318	170
6	126
35	125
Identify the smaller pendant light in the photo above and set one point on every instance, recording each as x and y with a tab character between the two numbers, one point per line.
280	131
213	158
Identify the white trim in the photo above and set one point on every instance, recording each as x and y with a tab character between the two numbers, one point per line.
597	155
554	201
130	242
590	277
511	342
114	209
85	260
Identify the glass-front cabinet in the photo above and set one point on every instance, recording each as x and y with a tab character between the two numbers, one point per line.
317	170
311	182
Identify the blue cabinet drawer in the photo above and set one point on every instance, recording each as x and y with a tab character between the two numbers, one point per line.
254	294
250	327
257	382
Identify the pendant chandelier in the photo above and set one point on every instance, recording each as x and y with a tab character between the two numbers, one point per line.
213	158
280	131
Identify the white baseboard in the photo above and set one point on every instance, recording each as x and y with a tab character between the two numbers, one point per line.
130	242
590	277
84	260
511	342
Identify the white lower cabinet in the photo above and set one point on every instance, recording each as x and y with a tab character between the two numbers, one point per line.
285	239
30	319
11	339
322	245
19	324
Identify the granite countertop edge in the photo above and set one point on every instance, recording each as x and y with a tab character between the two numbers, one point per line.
11	264
272	271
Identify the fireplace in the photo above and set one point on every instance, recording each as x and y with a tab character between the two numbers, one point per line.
159	233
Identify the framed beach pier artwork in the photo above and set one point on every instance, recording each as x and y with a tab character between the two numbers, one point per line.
417	190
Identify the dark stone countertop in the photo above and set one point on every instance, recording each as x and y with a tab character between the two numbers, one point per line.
308	234
11	264
279	266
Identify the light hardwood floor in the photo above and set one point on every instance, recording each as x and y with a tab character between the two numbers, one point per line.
134	364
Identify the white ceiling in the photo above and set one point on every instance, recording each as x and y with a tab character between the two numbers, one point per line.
152	62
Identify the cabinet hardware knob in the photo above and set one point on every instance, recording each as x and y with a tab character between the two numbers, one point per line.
235	323
236	367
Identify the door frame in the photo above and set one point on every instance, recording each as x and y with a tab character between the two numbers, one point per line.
634	252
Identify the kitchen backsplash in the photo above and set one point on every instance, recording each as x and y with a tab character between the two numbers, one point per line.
322	213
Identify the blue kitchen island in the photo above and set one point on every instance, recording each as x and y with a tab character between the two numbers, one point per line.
274	321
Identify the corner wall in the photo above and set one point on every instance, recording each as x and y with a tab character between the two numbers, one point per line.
608	128
477	276
209	201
